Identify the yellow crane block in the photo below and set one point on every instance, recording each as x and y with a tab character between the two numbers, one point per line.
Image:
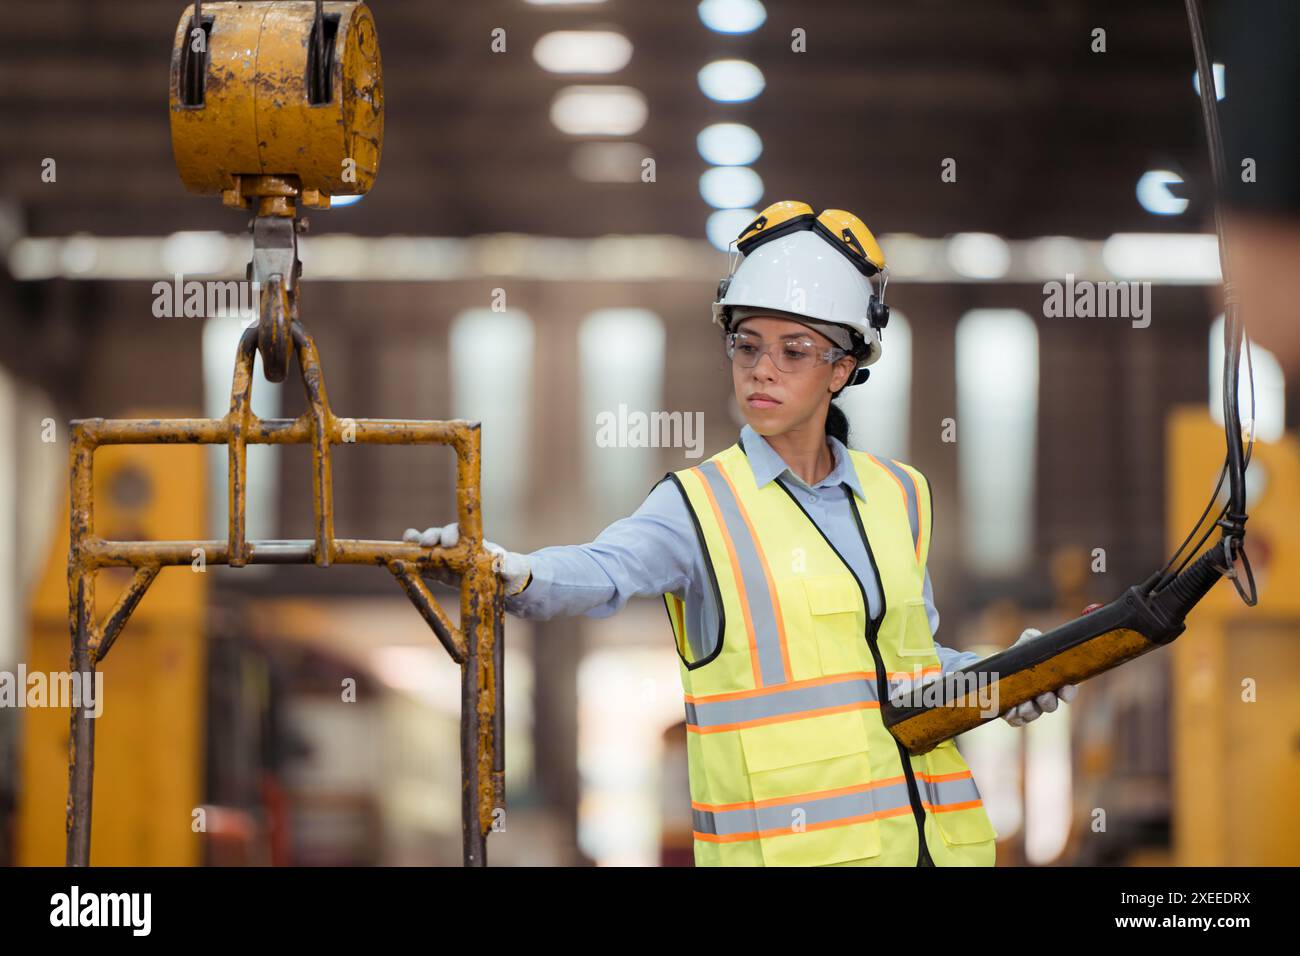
245	102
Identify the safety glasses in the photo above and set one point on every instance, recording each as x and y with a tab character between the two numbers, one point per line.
789	355
845	232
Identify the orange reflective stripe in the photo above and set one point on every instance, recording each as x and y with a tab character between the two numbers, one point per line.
782	718
920	515
820	810
767	572
911	499
837	807
780	688
794	798
783	831
736	574
755	587
945	792
817	697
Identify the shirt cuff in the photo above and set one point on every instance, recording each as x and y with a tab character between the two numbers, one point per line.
536	593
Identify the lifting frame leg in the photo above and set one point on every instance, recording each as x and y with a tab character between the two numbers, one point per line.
476	645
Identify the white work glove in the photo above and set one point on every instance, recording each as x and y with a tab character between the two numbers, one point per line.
510	566
1044	703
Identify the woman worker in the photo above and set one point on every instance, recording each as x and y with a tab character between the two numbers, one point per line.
794	573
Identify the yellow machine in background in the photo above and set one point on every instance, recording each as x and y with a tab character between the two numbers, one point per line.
1236	671
149	766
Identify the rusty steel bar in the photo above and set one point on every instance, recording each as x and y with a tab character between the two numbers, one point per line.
123	609
483	776
425	603
138	554
81	614
236	422
264	431
497	745
322	428
476	644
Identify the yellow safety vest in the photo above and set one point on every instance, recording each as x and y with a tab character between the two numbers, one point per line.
790	762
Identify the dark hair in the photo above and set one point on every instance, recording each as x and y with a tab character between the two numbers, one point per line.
837	423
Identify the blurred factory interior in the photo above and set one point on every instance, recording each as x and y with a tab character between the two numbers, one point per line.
1086	445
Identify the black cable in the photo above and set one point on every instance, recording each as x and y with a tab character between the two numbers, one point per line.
1164	574
1232	517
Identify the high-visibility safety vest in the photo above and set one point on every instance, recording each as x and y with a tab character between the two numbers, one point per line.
790	761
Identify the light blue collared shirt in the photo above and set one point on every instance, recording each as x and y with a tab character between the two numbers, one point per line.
655	551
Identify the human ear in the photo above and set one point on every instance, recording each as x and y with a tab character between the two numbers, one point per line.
844	368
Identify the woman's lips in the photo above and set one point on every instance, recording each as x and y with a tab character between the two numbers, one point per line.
758	402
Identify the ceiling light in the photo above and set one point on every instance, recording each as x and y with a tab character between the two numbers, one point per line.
732	16
609	162
979	255
1154	195
582	51
729	144
729	187
598	110
725	225
731	81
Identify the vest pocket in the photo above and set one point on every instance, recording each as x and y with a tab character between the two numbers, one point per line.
856	841
839	623
811	785
951	784
915	639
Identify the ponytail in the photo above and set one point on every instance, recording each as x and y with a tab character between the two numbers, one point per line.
837	423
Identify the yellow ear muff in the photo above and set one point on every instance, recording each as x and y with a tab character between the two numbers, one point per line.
775	220
853	237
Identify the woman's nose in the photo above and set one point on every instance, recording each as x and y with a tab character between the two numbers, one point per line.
767	355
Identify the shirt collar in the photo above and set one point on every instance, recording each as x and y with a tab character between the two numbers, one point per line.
767	464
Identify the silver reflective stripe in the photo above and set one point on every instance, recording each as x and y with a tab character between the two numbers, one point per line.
909	489
805	810
940	793
794	702
754	584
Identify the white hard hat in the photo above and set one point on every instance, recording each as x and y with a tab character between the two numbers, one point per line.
803	268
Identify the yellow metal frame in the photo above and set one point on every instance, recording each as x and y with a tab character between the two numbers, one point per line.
476	644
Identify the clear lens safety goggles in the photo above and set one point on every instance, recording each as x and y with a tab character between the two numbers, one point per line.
745	349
